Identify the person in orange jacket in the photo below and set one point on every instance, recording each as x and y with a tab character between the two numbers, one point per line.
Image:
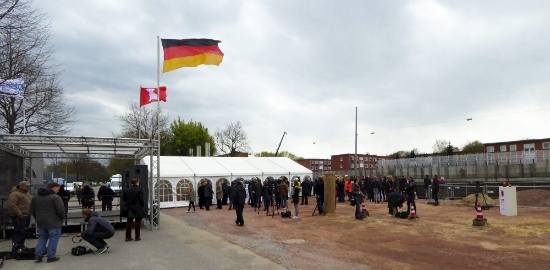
348	187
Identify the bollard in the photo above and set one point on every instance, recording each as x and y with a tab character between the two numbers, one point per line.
330	199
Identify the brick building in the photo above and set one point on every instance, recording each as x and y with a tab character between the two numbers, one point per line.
525	146
317	164
346	162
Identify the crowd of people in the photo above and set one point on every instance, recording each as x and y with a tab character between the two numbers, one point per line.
49	208
271	193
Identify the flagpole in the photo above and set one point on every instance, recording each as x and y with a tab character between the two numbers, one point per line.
139	116
158	130
24	117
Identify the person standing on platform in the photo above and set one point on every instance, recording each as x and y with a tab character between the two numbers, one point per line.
19	201
87	197
106	195
65	197
49	212
133	199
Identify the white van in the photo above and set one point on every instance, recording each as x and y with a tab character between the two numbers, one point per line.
116	184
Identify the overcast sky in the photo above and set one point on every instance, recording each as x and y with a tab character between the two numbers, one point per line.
416	70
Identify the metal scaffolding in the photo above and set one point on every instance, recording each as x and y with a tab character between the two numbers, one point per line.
72	147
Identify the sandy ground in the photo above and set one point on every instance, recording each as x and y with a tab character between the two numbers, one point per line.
441	238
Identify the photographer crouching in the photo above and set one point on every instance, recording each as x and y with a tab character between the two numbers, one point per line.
98	230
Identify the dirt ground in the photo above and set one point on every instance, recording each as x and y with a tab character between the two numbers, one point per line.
441	238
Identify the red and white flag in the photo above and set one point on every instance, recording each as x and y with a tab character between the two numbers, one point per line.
148	95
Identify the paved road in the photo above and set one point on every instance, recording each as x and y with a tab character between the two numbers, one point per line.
175	246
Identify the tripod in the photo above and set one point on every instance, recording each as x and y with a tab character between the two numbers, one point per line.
257	201
478	191
318	206
272	207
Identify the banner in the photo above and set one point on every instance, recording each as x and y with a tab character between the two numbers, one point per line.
13	88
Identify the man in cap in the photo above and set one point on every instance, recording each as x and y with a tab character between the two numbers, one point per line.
49	212
19	201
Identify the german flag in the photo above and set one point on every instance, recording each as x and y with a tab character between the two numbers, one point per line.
180	53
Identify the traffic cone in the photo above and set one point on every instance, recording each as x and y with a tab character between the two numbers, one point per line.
479	212
413	212
479	220
364	208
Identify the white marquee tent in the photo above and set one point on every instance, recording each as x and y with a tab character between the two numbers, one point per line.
177	174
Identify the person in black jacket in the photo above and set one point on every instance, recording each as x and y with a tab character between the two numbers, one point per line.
340	189
257	193
395	199
239	199
225	191
306	191
320	194
97	231
134	201
435	190
49	212
65	196
208	192
410	191
105	195
389	187
231	194
427	184
87	197
200	192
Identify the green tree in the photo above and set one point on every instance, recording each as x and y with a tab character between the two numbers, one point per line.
400	154
281	154
444	147
473	147
184	136
118	166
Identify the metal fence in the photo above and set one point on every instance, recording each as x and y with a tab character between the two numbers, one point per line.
459	191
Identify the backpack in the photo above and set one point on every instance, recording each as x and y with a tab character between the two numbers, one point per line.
80	250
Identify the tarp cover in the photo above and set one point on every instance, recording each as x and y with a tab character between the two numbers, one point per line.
178	173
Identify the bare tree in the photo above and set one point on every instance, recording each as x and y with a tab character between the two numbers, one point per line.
25	53
232	139
6	8
141	122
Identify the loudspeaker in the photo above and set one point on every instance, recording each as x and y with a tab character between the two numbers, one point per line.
141	172
126	180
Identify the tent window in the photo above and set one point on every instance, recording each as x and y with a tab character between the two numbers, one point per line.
165	190
182	190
